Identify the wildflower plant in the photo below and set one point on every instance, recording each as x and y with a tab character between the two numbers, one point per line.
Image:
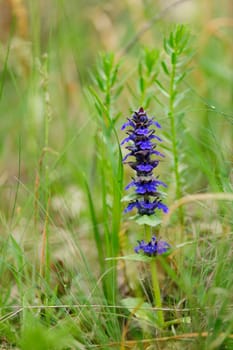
144	158
143	138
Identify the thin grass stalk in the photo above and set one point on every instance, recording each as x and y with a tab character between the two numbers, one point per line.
44	256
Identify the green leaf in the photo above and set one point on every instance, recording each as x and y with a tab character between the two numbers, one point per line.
167	47
141	84
161	88
114	74
117	116
129	197
173	58
96	97
118	91
108	61
180	77
184	41
179	32
151	58
99	81
150	220
142	310
165	68
171	40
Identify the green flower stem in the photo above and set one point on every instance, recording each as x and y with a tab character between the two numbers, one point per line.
148	232
157	295
155	282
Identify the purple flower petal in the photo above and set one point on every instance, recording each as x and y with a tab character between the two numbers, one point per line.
136	249
163	207
158	182
129	123
146	205
157	124
162	247
158	138
143	187
127	139
142	131
145	145
130	207
158	153
145	167
131	184
127	155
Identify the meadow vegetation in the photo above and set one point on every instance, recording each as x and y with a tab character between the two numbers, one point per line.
71	73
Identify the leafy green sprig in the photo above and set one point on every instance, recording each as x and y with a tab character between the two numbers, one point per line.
175	68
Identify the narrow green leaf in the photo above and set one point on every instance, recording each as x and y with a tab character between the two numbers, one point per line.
180	77
173	58
171	40
115	74
167	47
96	232
117	91
184	42
161	88
165	68
107	61
99	81
141	84
151	58
179	32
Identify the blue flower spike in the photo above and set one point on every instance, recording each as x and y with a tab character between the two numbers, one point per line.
152	248
141	131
